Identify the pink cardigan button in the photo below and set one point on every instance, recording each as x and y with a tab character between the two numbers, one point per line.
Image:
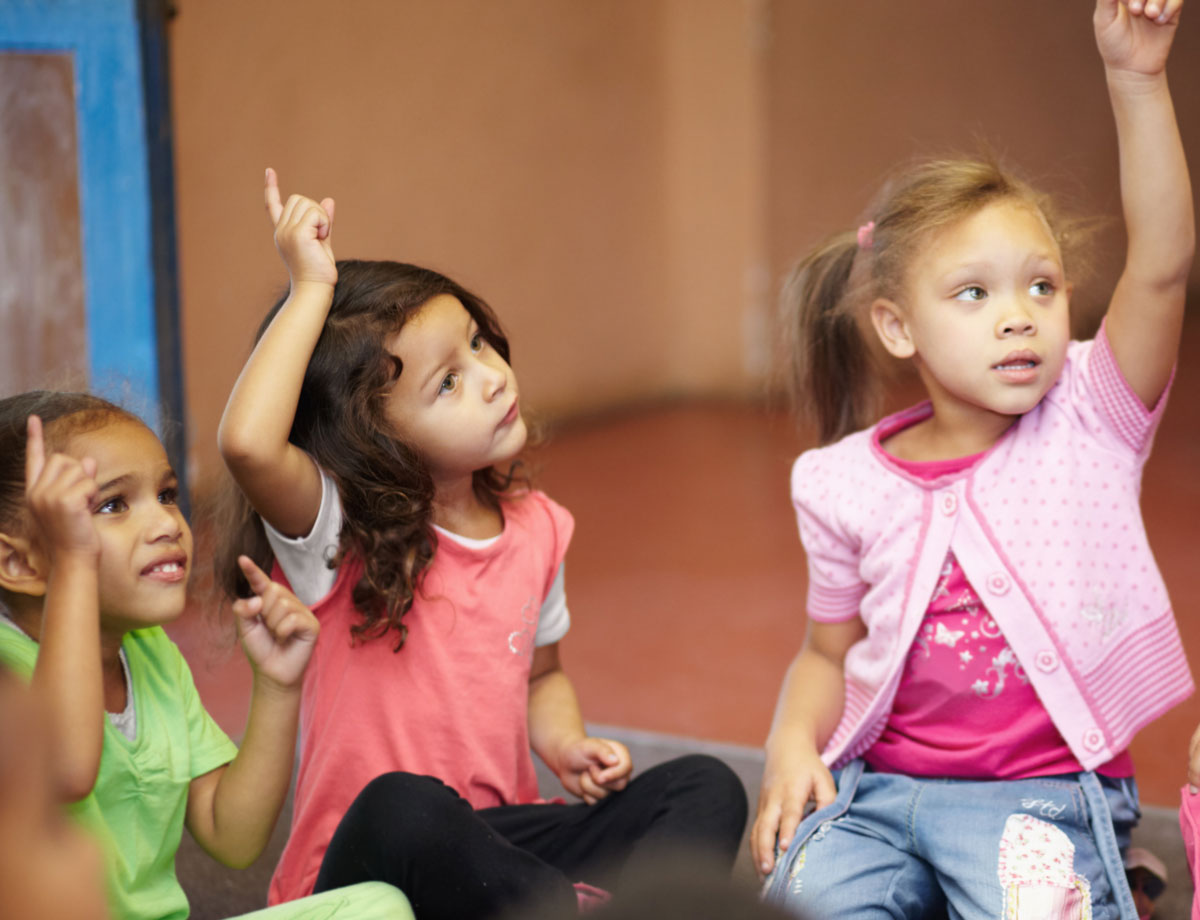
949	503
1093	739
1046	661
998	583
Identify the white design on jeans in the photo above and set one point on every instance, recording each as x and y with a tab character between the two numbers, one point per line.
1047	808
1037	872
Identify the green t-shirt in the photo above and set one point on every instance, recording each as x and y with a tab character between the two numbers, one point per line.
137	807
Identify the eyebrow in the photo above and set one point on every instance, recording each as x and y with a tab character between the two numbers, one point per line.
122	481
127	479
443	362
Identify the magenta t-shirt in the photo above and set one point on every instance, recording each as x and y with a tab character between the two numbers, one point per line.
965	706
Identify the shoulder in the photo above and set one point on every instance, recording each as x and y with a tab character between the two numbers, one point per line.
153	656
834	466
17	650
536	510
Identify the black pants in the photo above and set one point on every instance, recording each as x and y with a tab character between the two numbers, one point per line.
454	862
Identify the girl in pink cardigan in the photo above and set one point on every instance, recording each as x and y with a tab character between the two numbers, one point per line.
987	627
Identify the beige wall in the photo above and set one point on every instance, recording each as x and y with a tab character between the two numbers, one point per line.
853	95
623	180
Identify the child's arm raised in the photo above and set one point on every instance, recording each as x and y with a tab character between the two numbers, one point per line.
59	491
810	705
588	767
232	810
1146	313
280	480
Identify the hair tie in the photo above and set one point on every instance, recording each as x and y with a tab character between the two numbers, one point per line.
866	235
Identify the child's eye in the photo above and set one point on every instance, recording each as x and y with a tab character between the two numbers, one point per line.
971	293
1041	289
114	505
477	341
168	496
449	384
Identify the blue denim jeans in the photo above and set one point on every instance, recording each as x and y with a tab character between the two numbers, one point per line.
902	847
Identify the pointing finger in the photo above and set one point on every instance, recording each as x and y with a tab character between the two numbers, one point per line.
259	582
271	196
35	451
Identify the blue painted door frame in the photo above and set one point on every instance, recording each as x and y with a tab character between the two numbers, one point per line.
125	194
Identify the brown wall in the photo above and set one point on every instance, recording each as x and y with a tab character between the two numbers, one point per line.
624	181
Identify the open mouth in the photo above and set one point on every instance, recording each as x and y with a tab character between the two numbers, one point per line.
1018	361
169	570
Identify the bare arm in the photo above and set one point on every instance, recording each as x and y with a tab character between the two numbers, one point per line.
1145	315
809	708
232	810
280	480
588	767
68	674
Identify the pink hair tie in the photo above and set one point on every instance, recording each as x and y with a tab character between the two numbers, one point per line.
866	235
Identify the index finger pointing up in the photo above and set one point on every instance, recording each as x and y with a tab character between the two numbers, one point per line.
271	196
258	579
35	450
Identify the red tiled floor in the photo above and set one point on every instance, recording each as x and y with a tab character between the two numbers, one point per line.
686	578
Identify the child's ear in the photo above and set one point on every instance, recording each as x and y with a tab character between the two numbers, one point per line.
23	567
890	326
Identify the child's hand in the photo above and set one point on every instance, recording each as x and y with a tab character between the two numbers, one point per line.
1194	762
1134	36
591	768
59	491
303	234
788	784
278	632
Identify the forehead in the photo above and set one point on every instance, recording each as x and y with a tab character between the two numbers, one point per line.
120	447
1001	229
437	326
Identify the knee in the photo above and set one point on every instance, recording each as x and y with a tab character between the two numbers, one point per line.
714	776
709	780
395	804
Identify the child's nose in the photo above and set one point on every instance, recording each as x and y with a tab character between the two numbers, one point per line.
495	378
1016	321
165	523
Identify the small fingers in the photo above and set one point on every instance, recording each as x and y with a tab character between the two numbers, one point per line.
763	836
323	231
592	791
258	580
271	196
35	450
824	790
790	815
247	609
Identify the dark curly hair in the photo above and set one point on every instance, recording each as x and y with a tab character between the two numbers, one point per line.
385	487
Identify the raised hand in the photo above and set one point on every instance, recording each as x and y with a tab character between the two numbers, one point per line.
303	234
1134	36
591	768
278	632
59	491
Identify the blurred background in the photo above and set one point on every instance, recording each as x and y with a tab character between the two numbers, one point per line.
625	181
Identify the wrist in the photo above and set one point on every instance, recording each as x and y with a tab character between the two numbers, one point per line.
311	287
1134	84
75	560
271	690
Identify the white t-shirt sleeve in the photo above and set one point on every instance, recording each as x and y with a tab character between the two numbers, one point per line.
554	619
305	560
